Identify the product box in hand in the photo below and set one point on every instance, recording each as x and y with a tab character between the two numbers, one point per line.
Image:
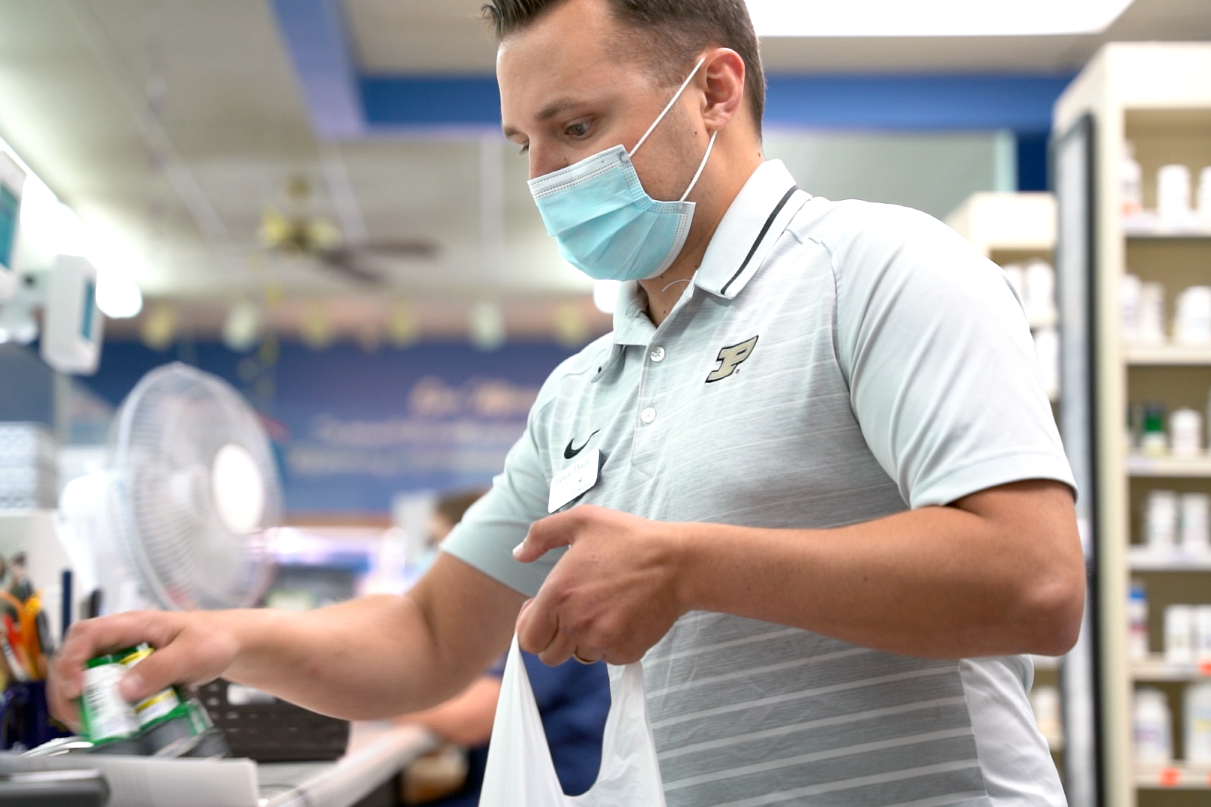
168	723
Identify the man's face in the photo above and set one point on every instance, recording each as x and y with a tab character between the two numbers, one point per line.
571	85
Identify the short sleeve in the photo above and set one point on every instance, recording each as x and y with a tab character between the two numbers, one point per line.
942	370
500	520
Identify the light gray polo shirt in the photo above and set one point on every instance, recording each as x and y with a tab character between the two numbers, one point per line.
831	363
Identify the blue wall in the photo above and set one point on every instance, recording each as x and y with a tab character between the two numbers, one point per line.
353	429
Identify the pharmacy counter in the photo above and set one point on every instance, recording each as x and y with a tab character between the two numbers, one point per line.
377	752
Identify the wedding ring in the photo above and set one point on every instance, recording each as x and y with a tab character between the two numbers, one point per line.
576	656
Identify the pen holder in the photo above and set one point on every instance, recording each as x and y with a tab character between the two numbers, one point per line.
25	720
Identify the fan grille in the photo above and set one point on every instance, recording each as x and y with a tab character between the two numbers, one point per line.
169	430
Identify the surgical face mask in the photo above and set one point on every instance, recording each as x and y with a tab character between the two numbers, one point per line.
605	223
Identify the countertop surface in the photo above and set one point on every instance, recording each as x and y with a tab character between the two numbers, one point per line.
376	752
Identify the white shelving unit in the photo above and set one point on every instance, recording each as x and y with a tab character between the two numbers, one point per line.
1146	226
1168	355
1011	228
1143	559
1173	777
1158	96
1146	465
1007	222
1155	668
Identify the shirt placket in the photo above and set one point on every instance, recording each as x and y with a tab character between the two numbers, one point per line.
652	416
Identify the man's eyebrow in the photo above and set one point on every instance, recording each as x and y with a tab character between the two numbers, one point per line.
555	107
547	112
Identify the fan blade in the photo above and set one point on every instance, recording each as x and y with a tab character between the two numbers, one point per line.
417	248
347	262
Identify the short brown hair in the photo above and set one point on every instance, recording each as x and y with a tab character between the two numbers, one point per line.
684	27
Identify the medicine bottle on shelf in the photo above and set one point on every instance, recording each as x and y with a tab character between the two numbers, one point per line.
1153	727
1137	619
1132	182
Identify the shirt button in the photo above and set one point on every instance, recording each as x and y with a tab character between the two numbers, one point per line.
657	354
647	415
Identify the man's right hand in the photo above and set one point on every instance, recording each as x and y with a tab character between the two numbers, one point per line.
191	648
364	659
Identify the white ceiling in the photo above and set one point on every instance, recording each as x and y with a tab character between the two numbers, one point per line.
184	187
436	36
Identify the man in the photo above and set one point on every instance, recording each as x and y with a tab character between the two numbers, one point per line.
830	505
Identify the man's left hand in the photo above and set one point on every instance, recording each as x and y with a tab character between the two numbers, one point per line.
614	593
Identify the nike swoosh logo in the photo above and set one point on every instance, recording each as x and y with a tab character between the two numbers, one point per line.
570	452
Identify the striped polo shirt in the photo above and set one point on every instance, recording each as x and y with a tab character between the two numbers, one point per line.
830	363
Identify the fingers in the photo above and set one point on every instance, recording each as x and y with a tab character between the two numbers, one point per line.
170	665
552	532
541	632
536	627
94	637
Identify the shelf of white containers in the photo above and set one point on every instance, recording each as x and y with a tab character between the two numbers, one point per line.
1158	96
1012	227
1167	355
1147	559
1156	668
1197	467
1007	222
1173	777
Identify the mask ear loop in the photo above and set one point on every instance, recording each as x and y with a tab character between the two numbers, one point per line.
668	106
701	166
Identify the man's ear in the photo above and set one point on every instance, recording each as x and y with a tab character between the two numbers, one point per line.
722	81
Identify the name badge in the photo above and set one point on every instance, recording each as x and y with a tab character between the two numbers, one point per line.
574	480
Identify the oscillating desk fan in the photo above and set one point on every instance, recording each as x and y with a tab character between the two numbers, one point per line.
181	515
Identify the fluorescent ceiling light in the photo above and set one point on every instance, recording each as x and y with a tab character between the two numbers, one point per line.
911	18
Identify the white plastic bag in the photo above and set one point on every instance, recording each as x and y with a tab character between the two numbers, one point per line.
520	773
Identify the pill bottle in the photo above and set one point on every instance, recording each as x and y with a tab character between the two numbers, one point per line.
1153	727
1137	617
1198	723
1196	523
1179	634
1132	181
1160	520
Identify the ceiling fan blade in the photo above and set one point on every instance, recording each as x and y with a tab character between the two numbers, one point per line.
416	248
347	262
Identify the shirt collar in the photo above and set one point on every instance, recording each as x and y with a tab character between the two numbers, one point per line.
749	228
745	234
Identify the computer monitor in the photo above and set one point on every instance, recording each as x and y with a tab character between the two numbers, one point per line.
12	180
72	326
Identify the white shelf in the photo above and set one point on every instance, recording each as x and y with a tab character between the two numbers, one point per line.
1143	559
1144	465
1009	222
1155	668
1147	225
1168	354
1173	777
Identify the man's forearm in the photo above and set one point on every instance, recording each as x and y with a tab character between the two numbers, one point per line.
378	656
938	582
347	660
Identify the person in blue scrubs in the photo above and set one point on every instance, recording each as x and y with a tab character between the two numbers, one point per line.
573	700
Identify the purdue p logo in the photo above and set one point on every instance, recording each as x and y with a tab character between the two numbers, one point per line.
730	358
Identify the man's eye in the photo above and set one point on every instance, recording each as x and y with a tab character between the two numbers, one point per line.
578	129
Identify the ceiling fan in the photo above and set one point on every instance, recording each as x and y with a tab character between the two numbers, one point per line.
299	231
